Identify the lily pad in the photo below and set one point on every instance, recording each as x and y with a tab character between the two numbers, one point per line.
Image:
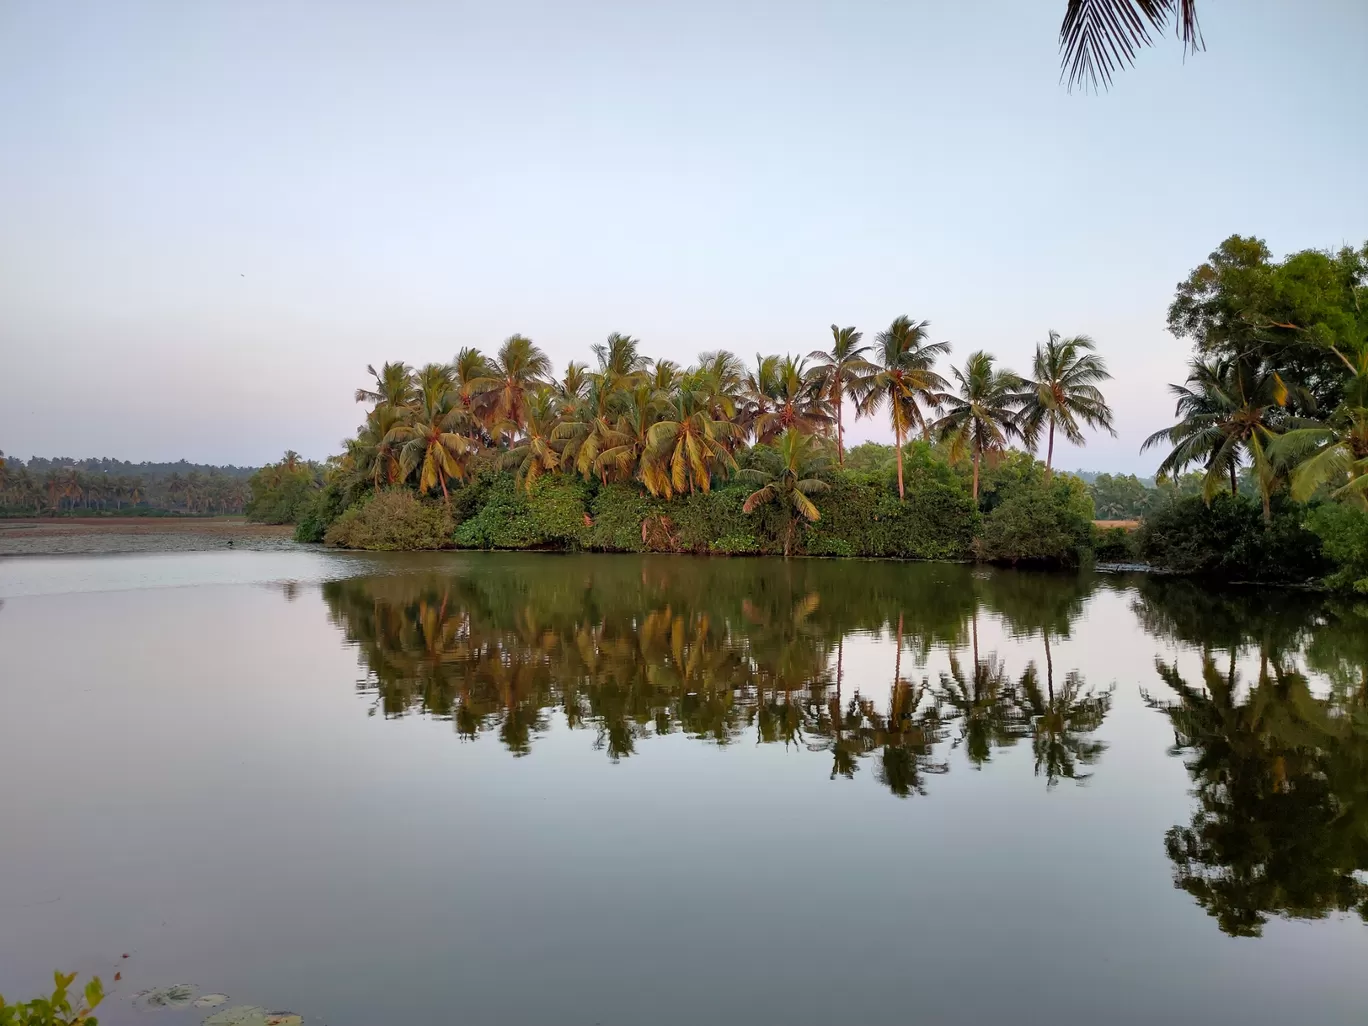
177	996
210	1000
252	1015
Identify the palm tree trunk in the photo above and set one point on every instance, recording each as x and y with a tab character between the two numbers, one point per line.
975	630
1233	491
976	475
840	431
446	498
1049	668
1267	507
897	657
899	435
1049	452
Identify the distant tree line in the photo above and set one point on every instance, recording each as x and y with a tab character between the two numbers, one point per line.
104	486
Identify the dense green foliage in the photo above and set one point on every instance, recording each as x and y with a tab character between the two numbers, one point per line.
1343	532
1228	538
282	491
395	519
1041	522
56	1009
105	487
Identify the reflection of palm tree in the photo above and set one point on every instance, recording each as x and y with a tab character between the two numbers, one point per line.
1058	721
982	701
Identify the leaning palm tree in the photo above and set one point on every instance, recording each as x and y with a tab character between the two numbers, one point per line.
789	474
1063	393
519	369
839	368
1228	409
904	378
686	446
981	417
432	439
1332	452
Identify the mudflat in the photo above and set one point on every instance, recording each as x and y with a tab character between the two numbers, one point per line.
53	536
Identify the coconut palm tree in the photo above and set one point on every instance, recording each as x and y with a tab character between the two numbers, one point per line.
623	449
1332	452
1227	410
789	474
535	453
431	437
904	379
795	403
393	386
519	369
756	393
1063	393
719	374
981	417
619	359
839	368
1099	37
686	446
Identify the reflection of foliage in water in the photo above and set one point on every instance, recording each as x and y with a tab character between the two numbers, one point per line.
1280	772
630	648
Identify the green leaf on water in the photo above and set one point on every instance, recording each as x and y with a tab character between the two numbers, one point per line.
177	996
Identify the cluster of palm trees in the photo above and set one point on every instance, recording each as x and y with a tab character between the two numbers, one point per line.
69	488
1234	411
677	429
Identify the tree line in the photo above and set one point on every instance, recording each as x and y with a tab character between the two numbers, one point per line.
101	486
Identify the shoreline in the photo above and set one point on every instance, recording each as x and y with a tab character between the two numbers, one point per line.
89	536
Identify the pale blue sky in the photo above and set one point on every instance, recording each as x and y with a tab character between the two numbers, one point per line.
214	215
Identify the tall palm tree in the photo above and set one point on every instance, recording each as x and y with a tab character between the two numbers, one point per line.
904	379
757	392
839	368
519	369
719	374
1228	409
981	417
1062	393
619	359
789	475
393	385
1332	452
622	450
687	445
431	437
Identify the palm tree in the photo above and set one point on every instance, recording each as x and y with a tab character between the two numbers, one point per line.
518	369
757	392
903	378
1099	37
619	359
1226	410
535	454
718	374
789	475
469	369
393	386
431	437
1332	452
840	368
623	448
981	419
686	445
1063	393
795	403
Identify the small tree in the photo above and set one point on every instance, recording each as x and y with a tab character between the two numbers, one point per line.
789	473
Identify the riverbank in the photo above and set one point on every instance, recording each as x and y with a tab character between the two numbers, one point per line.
114	535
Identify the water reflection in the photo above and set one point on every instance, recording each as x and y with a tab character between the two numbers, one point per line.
630	649
626	650
1279	766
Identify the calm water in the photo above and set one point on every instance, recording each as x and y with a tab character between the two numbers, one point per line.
479	788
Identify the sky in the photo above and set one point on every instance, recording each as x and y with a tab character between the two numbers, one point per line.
214	216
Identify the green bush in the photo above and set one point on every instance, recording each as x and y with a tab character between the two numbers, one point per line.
618	512
56	1009
390	521
861	514
317	512
552	515
1229	540
1343	534
1046	524
281	490
1113	545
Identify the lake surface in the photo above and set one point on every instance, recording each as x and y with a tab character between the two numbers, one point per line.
487	788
